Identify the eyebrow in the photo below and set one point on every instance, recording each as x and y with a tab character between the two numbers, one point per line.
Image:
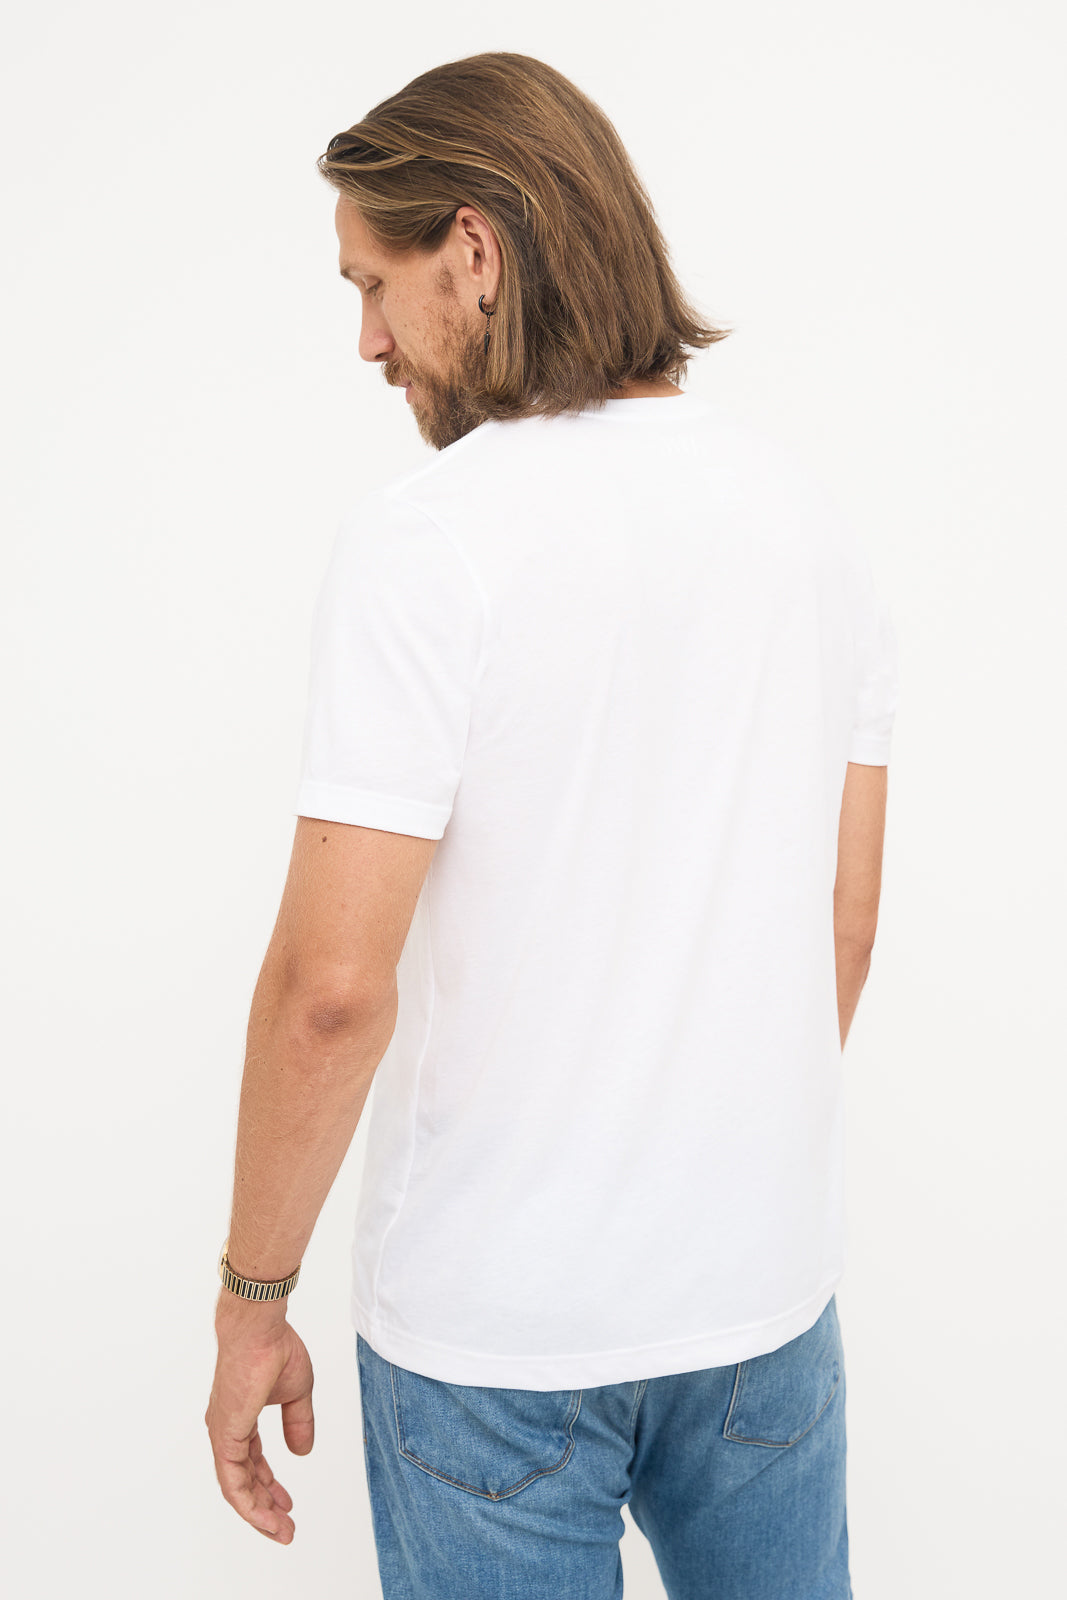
352	271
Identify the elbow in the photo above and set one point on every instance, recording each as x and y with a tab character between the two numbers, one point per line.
323	1008
329	1014
337	1042
854	940
857	944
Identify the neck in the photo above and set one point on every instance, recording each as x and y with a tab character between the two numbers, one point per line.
645	389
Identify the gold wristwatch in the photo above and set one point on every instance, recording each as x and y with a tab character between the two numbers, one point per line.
250	1288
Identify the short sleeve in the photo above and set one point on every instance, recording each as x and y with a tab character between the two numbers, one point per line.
876	677
396	641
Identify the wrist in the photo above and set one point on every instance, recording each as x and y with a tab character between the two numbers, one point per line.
252	1316
254	1301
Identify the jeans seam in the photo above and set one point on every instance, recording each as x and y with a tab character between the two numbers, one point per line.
639	1396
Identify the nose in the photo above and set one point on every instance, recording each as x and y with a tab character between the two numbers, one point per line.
375	341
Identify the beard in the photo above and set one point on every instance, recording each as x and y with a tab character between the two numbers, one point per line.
444	403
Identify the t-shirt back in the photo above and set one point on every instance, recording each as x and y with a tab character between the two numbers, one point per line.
616	662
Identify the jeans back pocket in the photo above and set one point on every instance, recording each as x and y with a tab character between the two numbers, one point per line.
491	1442
779	1396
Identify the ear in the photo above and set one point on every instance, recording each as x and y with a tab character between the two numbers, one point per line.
479	252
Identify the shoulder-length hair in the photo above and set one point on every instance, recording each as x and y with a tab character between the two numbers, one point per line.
586	299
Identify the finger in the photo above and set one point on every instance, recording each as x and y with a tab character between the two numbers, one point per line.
298	1424
282	1536
282	1498
266	1477
241	1466
255	1501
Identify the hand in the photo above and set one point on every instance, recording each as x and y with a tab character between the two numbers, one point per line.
259	1364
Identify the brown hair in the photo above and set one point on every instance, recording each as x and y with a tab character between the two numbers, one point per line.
586	299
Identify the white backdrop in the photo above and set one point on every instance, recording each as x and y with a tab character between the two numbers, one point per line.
872	196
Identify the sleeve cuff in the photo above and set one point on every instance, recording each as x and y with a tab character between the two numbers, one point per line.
869	750
361	807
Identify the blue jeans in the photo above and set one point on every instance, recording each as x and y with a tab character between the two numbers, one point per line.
735	1475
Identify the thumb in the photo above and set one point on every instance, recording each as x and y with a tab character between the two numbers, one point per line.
294	1392
298	1424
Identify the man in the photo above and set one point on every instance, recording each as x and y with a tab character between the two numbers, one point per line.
588	849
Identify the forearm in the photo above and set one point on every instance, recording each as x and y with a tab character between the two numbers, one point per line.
853	965
304	1086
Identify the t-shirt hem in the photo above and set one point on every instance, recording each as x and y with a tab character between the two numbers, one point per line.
391	813
452	1365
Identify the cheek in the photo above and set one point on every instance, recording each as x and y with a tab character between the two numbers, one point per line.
396	316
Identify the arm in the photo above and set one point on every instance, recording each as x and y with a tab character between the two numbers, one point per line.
322	1016
858	884
309	1066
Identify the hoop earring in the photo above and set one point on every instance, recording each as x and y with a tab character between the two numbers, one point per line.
488	314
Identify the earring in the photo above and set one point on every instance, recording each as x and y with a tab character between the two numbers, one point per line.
488	314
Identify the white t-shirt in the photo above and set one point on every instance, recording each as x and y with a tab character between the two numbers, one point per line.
617	663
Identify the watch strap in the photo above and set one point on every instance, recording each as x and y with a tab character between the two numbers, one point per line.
252	1288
